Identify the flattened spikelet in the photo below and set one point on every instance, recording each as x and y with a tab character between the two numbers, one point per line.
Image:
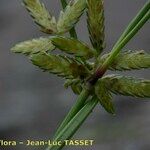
127	86
70	16
105	97
73	46
33	46
129	60
96	27
58	64
41	16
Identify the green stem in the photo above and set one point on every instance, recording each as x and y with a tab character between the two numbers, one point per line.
78	105
115	51
69	130
136	19
72	31
120	44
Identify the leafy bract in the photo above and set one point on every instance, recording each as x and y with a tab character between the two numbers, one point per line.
128	86
73	46
34	46
95	20
128	60
41	16
70	16
58	64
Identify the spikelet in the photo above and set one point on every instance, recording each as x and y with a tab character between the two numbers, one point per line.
73	46
34	46
41	16
95	21
128	60
70	16
58	64
104	97
127	86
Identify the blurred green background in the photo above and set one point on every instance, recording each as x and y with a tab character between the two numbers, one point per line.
33	103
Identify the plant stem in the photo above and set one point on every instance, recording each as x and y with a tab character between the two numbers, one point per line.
115	51
136	19
78	105
72	31
69	130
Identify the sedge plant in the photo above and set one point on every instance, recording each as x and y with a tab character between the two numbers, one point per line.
84	66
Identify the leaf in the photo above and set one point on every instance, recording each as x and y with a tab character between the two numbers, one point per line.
95	20
104	96
128	86
41	16
72	46
60	65
68	131
34	46
128	60
79	104
70	16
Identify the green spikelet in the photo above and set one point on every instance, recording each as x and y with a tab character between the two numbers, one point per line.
41	16
33	46
60	65
127	85
70	16
95	20
129	60
105	97
72	46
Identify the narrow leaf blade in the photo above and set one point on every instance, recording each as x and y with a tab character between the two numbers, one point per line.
68	131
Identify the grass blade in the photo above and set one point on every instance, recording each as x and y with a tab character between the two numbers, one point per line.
78	105
74	124
116	49
137	18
